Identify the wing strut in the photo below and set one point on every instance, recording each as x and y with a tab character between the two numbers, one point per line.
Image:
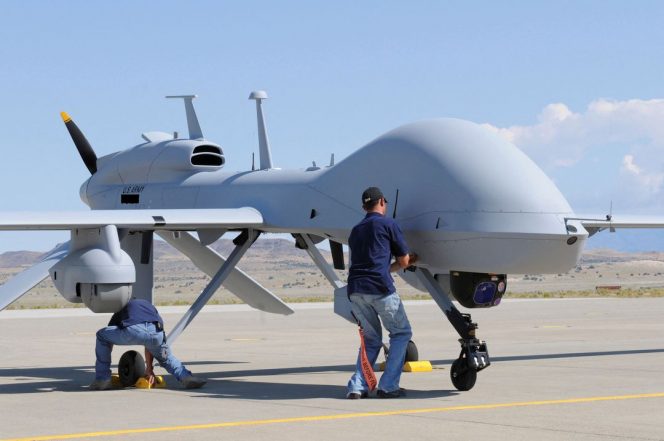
341	302
246	240
25	281
238	282
320	262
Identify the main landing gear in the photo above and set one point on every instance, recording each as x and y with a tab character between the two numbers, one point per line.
131	367
131	372
474	355
411	351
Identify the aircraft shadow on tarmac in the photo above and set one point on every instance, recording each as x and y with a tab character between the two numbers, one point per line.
259	390
61	379
226	384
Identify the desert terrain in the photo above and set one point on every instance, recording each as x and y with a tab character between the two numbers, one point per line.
290	274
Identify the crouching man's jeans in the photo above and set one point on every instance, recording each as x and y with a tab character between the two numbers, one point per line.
142	334
367	309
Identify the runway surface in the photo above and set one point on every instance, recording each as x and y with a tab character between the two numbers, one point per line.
572	369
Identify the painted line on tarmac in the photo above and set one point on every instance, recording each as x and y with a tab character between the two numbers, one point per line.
341	416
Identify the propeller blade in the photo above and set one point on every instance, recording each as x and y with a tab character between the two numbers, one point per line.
26	280
84	149
337	255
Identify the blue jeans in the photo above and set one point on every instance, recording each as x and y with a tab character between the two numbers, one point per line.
143	334
367	309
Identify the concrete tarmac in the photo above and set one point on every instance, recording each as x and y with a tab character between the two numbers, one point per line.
568	369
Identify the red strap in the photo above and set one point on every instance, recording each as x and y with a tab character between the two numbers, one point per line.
367	369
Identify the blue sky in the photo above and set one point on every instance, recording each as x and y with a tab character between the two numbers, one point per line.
576	84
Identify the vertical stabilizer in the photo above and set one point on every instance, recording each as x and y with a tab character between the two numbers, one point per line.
263	142
195	131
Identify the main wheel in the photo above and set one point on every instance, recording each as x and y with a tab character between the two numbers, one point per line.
411	352
130	368
463	377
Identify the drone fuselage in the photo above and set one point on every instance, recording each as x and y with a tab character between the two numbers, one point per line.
466	199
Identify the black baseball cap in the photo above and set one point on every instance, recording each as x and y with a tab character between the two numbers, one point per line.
372	194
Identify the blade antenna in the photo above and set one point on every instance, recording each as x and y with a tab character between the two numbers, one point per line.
609	217
263	141
195	131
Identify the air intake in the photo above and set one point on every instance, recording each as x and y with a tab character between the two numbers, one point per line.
207	156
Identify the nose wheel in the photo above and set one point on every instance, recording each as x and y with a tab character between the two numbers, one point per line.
463	377
473	358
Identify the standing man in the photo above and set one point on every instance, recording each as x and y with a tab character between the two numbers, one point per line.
371	290
138	323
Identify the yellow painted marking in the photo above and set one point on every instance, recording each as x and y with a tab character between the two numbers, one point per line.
65	117
341	416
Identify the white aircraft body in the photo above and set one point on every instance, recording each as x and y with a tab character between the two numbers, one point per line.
471	205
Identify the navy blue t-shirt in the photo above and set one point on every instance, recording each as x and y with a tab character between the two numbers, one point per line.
136	311
372	244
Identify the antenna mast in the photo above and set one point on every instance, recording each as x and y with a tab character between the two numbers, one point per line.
263	142
195	131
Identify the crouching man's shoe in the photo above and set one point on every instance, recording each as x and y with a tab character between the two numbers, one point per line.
192	382
101	385
356	395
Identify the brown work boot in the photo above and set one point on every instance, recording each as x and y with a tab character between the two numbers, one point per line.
101	385
192	382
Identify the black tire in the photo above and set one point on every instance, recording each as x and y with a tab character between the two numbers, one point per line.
411	352
130	368
463	377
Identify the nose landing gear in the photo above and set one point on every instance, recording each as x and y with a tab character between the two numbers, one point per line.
474	354
473	358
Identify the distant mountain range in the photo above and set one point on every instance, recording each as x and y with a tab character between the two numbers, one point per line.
13	259
628	240
266	249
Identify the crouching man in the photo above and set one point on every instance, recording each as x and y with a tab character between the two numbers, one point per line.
138	323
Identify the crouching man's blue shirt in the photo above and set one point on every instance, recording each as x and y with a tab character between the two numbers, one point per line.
136	311
372	244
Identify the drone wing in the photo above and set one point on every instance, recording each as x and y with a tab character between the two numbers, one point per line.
168	219
144	220
625	222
